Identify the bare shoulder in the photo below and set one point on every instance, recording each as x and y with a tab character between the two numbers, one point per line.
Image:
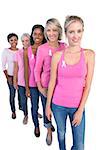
56	56
89	54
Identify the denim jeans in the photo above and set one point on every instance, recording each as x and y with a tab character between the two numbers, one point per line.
60	114
47	123
23	99
12	92
34	105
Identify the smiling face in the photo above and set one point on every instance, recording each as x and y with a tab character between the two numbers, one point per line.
52	33
26	41
13	41
38	36
74	33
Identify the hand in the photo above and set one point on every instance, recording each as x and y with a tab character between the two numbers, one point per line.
48	112
77	118
10	80
43	91
28	92
15	85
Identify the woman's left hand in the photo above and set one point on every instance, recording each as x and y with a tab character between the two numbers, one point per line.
77	118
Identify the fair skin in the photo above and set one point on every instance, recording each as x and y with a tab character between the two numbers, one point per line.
26	43
72	56
13	41
52	34
38	38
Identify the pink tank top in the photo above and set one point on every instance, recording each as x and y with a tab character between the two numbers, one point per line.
32	61
70	82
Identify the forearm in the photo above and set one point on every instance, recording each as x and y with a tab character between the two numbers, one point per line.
15	77
39	85
26	79
50	93
84	98
26	70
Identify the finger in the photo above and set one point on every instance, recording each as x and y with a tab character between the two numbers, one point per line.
74	122
48	116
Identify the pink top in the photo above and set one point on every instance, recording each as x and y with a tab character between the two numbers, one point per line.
70	82
43	62
19	59
32	61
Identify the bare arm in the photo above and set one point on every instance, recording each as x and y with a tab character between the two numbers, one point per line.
15	77
90	70
53	77
26	72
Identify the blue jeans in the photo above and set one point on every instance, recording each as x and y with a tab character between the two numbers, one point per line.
47	123
12	92
34	105
23	99
60	114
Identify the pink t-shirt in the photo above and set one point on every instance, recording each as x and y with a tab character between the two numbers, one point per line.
70	82
43	62
19	59
32	61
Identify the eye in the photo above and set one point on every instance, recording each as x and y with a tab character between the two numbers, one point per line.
79	31
48	30
71	31
55	30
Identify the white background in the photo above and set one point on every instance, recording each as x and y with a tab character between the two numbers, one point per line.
19	16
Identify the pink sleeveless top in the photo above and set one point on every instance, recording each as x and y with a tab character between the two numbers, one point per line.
32	61
70	82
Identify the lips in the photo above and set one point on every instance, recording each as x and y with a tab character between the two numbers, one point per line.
75	40
37	39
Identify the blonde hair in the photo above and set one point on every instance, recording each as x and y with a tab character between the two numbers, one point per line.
71	19
57	24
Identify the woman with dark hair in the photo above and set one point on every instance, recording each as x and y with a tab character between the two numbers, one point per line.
36	39
8	60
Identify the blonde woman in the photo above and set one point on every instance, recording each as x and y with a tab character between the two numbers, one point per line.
53	34
69	86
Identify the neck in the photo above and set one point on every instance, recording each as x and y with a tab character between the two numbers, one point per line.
13	48
37	44
54	44
74	49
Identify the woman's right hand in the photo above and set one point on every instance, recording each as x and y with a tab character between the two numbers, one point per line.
15	85
43	91
10	80
48	112
28	92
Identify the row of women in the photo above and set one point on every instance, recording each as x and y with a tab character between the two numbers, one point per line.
59	73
